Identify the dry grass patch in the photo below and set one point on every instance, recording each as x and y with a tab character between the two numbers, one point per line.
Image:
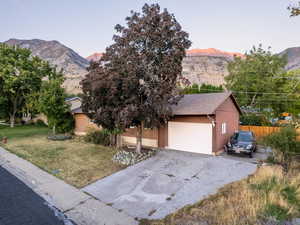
76	162
269	194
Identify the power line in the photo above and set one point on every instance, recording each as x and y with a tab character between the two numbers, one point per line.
243	92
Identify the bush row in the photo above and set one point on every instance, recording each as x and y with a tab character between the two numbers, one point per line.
100	137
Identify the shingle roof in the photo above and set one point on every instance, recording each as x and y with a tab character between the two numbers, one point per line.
201	104
77	110
194	104
74	103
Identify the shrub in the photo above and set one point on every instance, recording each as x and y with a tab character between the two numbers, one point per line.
66	124
284	144
290	194
204	88
101	137
254	120
40	123
276	211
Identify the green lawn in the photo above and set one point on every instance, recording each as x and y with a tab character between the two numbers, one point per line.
23	131
76	162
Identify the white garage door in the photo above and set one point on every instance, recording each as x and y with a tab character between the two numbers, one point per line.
191	137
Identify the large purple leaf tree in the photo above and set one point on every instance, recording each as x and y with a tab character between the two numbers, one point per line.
135	81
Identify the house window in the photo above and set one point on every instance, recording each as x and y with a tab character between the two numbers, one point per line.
223	128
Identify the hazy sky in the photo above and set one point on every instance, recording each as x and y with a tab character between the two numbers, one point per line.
87	25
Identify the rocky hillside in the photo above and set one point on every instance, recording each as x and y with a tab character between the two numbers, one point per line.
94	57
207	66
293	57
201	65
73	65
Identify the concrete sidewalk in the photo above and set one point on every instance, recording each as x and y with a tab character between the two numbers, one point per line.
75	204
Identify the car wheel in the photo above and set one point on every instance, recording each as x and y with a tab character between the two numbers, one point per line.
255	149
251	154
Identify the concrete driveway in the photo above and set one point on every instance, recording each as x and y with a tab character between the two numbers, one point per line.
166	182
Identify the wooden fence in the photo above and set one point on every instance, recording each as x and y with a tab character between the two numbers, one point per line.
262	131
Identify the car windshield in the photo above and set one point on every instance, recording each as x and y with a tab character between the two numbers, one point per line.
244	137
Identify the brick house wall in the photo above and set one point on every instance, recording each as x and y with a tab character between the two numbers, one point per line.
83	124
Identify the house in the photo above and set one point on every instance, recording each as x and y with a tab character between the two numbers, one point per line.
82	122
201	123
74	102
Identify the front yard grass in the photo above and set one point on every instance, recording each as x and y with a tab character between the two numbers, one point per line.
268	195
76	162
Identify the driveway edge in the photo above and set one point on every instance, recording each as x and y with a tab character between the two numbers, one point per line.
78	206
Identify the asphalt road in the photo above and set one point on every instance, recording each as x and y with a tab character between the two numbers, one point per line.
19	205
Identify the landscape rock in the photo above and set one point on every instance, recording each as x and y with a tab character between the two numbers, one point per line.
129	158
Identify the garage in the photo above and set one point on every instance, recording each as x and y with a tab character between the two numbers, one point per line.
191	137
200	123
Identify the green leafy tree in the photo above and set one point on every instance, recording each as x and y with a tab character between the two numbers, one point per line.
260	81
52	103
284	144
134	83
20	75
203	88
291	102
4	108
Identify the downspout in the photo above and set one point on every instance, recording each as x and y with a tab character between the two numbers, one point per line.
213	122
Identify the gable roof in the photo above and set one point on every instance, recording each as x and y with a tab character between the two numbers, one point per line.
202	104
193	104
74	103
76	110
72	99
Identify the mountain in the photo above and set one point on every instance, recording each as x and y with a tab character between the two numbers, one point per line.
94	57
212	52
73	65
201	65
207	66
293	57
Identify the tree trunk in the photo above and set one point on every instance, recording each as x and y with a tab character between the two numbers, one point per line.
113	140
13	114
253	100
12	120
139	135
54	130
119	143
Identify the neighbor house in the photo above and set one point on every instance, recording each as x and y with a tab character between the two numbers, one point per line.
74	102
201	123
82	122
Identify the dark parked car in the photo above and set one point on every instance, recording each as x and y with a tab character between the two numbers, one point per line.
242	142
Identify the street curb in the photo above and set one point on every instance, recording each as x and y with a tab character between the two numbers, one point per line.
78	206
